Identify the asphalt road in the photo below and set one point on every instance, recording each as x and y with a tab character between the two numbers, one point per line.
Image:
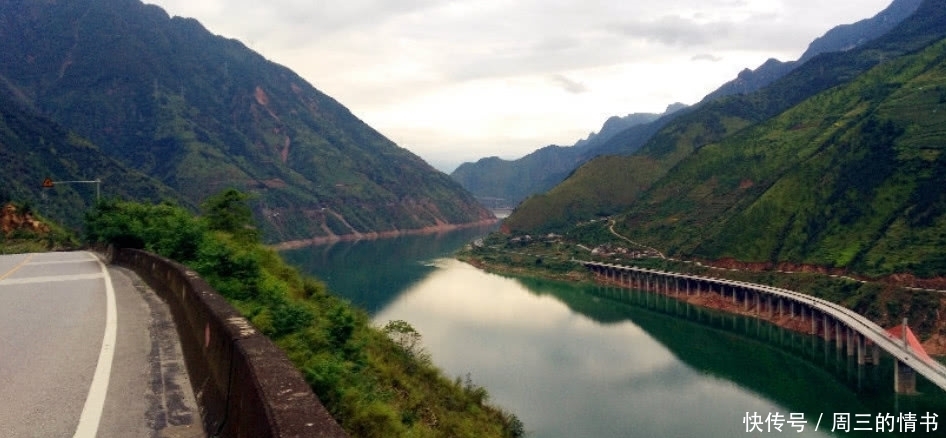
87	350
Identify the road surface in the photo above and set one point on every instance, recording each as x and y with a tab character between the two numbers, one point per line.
87	350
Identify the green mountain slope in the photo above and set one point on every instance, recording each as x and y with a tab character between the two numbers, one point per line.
611	184
33	148
201	113
851	178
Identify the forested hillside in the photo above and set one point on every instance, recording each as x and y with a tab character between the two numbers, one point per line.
851	178
839	164
33	148
201	113
610	185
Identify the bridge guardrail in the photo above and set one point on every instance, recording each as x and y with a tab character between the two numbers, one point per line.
933	371
244	384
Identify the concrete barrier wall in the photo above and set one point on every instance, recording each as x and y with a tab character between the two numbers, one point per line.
244	384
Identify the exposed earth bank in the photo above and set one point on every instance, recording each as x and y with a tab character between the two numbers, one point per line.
322	240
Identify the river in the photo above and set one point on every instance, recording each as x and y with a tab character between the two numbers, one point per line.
575	360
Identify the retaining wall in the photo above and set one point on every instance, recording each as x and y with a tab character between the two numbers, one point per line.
244	384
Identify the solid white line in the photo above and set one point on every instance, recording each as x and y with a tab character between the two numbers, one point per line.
51	279
62	262
95	402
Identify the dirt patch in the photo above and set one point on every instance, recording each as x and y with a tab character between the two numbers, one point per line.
12	219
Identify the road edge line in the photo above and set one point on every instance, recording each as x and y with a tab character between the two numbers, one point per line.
95	402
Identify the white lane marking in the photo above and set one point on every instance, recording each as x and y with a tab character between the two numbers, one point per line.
51	279
95	402
62	262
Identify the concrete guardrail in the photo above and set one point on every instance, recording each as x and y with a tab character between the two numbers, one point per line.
244	384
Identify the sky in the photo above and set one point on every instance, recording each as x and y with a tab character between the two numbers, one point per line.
459	80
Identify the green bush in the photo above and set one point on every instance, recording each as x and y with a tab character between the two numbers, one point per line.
363	377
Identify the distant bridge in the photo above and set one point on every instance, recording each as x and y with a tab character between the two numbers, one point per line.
834	322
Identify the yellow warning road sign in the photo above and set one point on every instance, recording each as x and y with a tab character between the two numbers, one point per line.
47	183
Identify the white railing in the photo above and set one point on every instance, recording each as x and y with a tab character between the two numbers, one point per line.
934	371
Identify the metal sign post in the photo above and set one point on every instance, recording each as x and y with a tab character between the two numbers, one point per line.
48	183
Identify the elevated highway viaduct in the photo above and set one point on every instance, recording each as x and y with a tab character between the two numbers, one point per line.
848	329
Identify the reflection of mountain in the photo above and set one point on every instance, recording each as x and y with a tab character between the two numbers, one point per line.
710	345
371	274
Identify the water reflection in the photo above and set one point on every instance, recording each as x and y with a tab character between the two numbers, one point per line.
372	273
582	360
570	373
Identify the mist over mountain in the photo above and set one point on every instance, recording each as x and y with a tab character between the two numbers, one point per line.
200	113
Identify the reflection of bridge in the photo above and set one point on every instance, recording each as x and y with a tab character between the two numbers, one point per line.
859	335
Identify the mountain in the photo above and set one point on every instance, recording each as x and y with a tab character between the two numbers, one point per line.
33	148
841	38
840	163
850	178
201	113
513	181
505	183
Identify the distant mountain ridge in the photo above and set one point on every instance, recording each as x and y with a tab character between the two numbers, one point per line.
838	39
200	113
838	164
505	183
514	180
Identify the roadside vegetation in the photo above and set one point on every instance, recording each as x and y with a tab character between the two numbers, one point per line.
376	381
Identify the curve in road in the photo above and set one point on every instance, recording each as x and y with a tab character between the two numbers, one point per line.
70	366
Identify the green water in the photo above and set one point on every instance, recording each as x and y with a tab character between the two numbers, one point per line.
587	361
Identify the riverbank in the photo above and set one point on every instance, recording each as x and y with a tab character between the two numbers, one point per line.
882	302
324	240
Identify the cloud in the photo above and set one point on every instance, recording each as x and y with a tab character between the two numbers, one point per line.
706	57
676	31
569	85
404	65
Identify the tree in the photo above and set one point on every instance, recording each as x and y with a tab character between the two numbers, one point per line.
228	211
406	337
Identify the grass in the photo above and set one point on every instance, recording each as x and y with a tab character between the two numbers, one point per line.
373	382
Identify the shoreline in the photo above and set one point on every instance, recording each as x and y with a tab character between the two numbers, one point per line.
374	235
935	346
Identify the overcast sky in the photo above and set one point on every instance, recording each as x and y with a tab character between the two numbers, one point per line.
458	80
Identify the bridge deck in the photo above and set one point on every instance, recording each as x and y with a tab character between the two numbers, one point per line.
934	371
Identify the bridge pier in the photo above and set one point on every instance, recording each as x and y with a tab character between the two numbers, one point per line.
850	341
811	314
861	350
836	335
904	378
